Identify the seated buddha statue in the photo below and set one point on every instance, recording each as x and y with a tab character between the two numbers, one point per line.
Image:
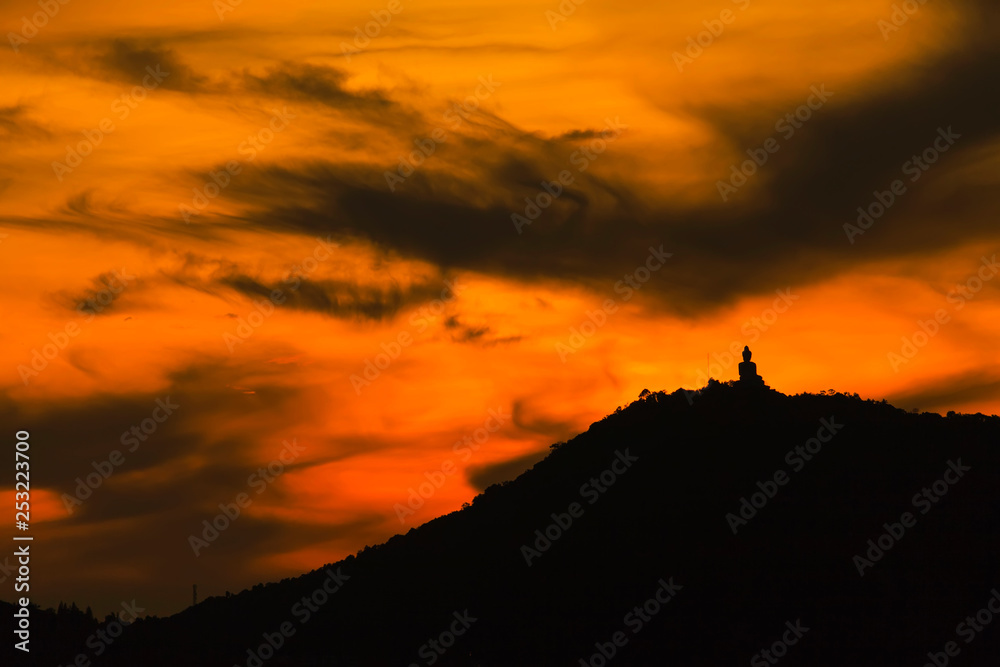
748	370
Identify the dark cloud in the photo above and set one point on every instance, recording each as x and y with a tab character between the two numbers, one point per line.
187	469
574	135
80	204
951	392
130	61
15	125
158	542
81	431
480	477
784	228
313	83
343	299
503	340
102	297
154	514
462	333
470	334
531	418
112	219
336	298
431	220
499	48
478	334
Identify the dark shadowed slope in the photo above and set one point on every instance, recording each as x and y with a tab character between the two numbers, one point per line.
654	483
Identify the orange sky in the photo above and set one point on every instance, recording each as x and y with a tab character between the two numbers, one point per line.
219	179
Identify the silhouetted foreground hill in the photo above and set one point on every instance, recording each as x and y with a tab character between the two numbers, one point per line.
650	569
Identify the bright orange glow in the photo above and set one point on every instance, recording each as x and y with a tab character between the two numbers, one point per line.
245	254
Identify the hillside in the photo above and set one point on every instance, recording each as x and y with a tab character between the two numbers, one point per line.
649	500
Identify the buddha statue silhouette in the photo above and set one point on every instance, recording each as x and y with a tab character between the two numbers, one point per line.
748	371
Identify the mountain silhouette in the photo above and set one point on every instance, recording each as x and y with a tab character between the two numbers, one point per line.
732	525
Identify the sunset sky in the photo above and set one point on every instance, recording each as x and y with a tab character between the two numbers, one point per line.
260	199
